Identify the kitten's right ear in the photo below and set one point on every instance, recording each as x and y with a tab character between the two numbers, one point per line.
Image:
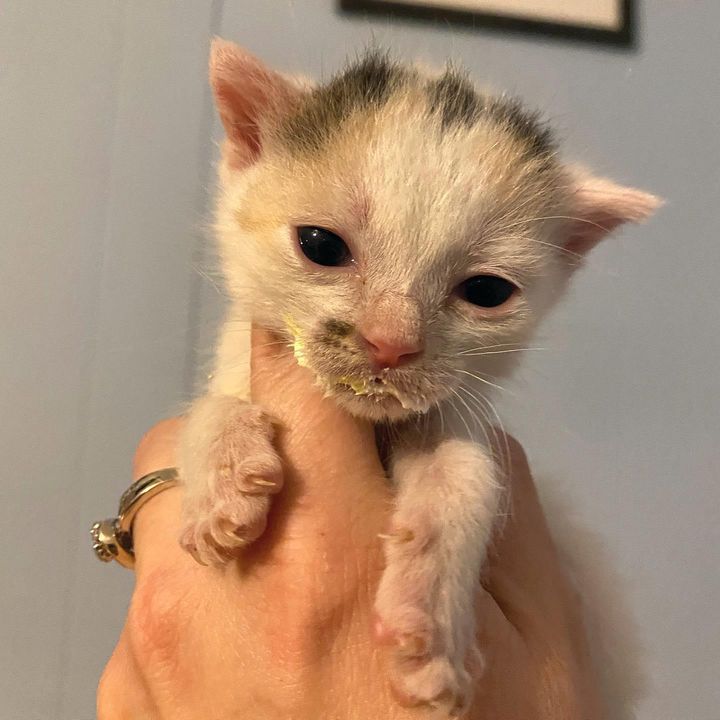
248	96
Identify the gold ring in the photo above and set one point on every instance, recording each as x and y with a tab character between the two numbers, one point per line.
112	538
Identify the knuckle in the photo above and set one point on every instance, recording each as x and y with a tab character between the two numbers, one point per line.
106	692
155	618
112	688
155	436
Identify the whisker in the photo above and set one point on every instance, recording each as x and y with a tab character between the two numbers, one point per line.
460	415
473	415
576	256
490	406
442	419
497	218
492	347
483	380
498	352
472	351
553	217
487	424
204	274
484	422
532	239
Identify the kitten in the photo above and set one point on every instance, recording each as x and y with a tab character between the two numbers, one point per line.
392	225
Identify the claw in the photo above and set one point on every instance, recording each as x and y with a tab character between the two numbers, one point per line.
413	646
447	701
192	549
262	483
405	535
402	535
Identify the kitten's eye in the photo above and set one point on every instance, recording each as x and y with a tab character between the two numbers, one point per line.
323	247
487	291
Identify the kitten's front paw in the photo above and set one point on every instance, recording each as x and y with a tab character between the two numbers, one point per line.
418	619
436	682
424	670
232	471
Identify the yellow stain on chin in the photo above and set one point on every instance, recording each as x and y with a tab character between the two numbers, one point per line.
298	342
358	385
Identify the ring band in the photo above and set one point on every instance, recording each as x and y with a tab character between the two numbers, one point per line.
112	538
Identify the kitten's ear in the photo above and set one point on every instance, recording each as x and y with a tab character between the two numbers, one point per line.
248	96
599	206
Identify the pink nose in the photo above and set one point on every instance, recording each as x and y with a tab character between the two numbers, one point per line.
386	353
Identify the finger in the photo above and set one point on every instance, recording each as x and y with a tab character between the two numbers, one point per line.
522	536
122	693
330	452
336	500
158	447
156	527
516	583
523	566
289	393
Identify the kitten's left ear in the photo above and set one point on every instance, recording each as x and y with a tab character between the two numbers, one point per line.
598	206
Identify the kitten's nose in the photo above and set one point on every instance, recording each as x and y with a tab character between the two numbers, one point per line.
389	353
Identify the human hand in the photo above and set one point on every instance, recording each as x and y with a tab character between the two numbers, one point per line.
285	631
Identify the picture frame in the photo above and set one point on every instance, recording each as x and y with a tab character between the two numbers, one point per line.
601	21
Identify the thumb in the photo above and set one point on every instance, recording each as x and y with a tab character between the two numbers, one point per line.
333	475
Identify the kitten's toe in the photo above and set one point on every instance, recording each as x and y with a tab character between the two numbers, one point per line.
437	682
423	672
240	521
407	629
213	536
196	540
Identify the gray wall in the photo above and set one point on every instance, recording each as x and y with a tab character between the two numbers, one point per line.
105	149
104	155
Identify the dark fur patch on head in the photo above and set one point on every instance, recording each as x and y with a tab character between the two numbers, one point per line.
364	84
523	123
370	81
454	99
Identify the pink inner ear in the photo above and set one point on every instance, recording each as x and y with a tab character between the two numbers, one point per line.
599	206
240	125
246	93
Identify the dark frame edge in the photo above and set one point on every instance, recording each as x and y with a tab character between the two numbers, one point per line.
624	38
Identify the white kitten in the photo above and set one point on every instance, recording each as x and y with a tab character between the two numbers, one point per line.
393	226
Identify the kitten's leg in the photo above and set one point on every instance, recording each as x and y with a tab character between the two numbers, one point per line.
447	503
228	464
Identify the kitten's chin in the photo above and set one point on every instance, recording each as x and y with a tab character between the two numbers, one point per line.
375	407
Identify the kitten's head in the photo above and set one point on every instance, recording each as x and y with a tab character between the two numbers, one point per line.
392	224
